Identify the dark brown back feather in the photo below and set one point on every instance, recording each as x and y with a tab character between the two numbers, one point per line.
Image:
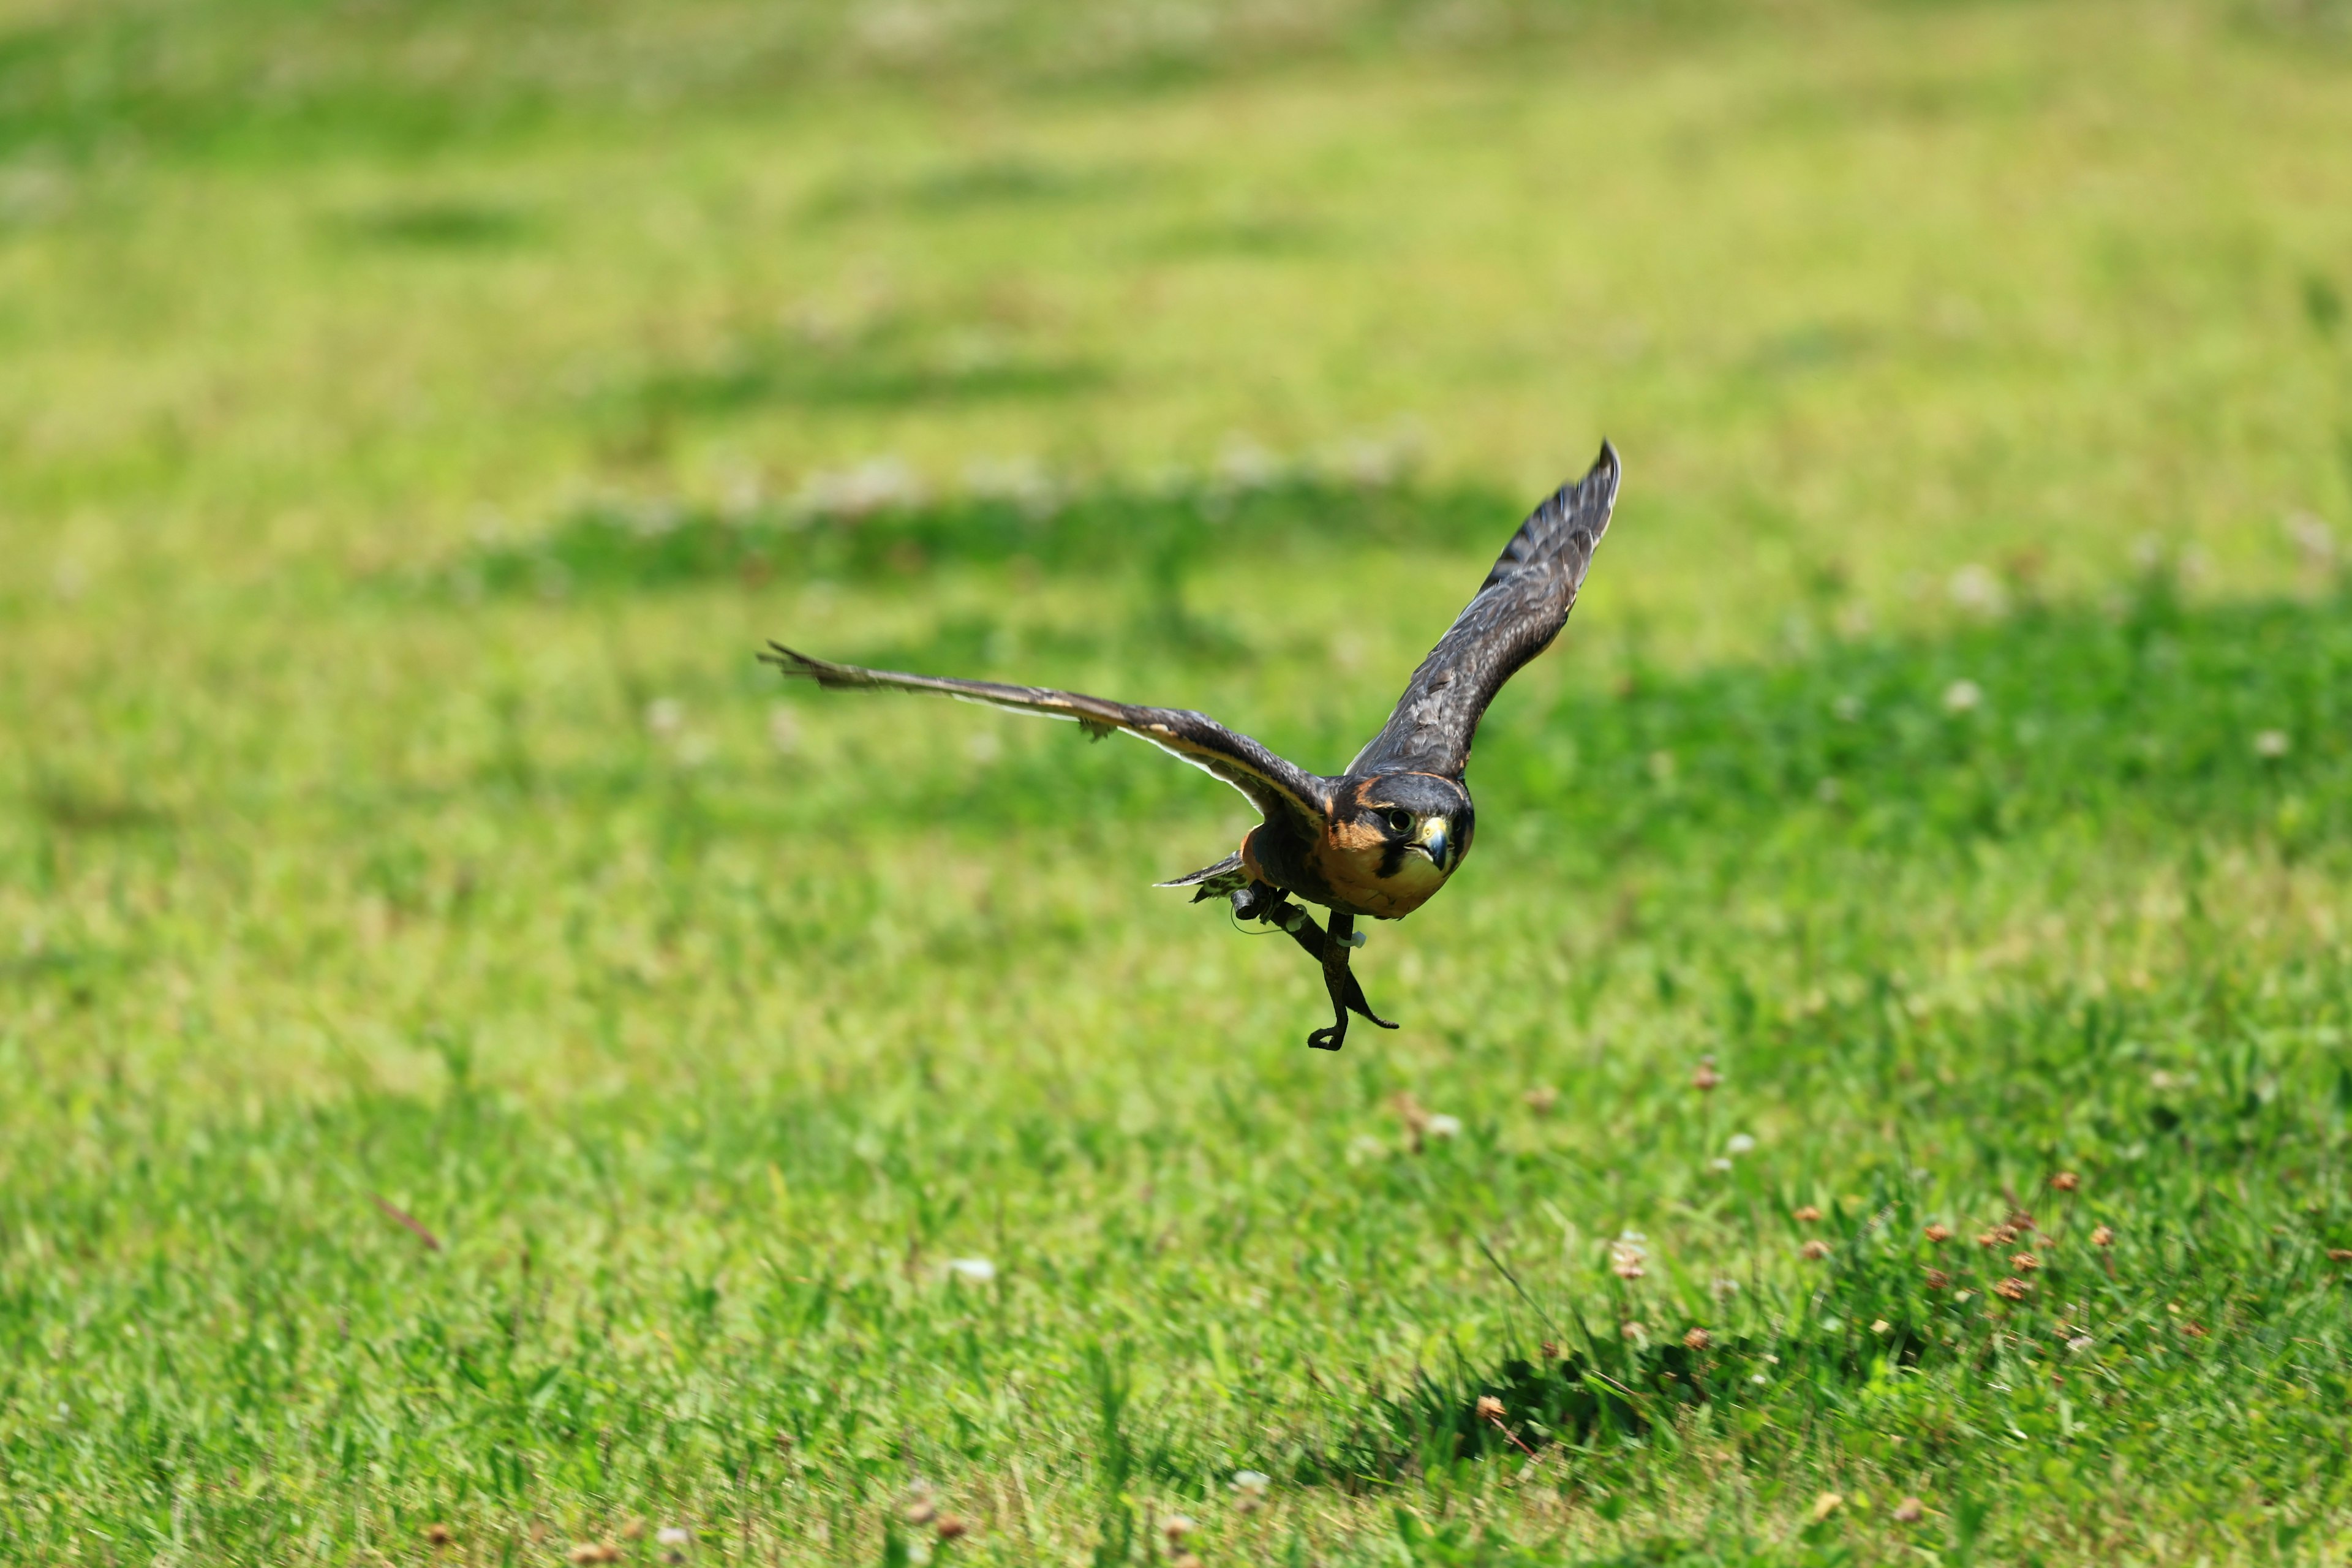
1517	612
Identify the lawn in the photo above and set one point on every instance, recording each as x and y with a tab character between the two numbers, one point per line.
493	1077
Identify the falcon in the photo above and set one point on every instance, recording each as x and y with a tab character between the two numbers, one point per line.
1378	840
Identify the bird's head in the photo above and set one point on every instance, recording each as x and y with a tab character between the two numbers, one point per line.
1408	831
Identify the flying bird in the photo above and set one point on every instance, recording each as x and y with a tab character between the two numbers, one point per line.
1378	840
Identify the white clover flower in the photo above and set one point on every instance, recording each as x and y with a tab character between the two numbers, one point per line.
1739	1144
671	1535
2271	744
1720	1165
1963	697
1975	589
1442	1126
979	1270
1251	1480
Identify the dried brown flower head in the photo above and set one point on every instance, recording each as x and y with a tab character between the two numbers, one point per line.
1815	1249
1636	1330
596	1552
438	1535
1698	1340
2103	1237
1999	1235
1541	1098
2194	1329
1178	1527
1937	1280
2011	1289
1488	1409
2065	1181
635	1529
1939	1232
1550	1350
1705	1077
952	1528
1806	1214
2334	1253
1910	1510
2025	1262
922	1510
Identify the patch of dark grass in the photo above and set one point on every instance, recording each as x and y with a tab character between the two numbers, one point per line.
983	185
438	225
618	547
2140	718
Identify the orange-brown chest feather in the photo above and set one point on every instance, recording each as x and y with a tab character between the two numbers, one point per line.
1349	859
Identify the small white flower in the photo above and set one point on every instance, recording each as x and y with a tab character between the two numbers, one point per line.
2271	744
1739	1144
663	717
1962	697
979	1270
1758	1379
1251	1480
1976	589
670	1535
1718	1164
1442	1126
2080	1344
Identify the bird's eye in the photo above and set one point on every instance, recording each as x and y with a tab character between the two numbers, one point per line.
1399	821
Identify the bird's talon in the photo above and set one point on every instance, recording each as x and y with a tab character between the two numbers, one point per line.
1326	1039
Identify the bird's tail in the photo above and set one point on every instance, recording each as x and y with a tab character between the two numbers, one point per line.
1213	881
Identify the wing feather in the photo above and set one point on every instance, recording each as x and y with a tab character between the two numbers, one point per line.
1275	787
1515	615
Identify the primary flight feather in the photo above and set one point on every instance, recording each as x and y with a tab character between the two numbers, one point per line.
1380	838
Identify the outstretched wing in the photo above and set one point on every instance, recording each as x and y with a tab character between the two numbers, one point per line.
1274	786
1517	612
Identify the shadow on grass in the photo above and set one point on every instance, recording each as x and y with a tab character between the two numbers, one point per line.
980	185
437	225
2148	717
619	547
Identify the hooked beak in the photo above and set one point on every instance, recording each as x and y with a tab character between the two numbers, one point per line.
1436	841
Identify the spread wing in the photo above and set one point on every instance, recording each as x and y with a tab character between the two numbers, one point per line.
1274	786
1517	612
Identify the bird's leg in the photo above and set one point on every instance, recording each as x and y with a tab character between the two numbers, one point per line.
1336	980
1259	901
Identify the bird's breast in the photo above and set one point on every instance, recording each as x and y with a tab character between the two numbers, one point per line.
1370	877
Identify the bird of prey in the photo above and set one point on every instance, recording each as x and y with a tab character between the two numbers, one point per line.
1377	840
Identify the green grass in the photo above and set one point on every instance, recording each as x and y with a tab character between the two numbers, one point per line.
479	1054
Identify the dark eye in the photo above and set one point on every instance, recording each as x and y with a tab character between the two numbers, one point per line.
1399	821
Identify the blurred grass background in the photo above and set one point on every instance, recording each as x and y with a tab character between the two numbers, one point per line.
418	412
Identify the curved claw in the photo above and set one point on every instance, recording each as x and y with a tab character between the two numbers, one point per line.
1329	949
